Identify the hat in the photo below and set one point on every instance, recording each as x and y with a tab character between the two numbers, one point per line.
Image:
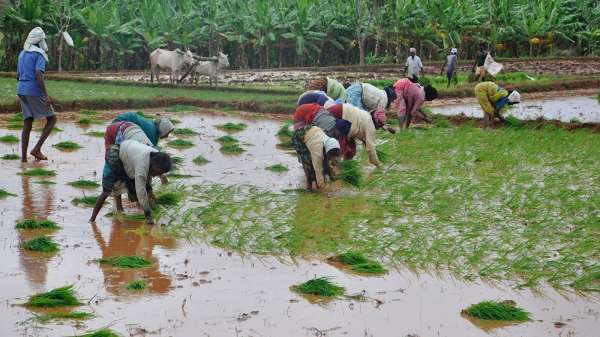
391	94
164	127
36	37
454	51
379	117
514	97
343	126
330	144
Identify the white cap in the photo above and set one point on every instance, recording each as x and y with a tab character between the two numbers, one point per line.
330	144
514	97
454	51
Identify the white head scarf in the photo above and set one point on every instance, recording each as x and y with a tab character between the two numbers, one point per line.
330	144
514	97
454	51
164	127
36	36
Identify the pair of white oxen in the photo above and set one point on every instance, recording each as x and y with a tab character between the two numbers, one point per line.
177	61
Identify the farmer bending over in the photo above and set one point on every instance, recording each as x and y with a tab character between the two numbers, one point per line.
332	87
136	163
310	114
367	97
318	154
492	99
411	97
31	89
315	96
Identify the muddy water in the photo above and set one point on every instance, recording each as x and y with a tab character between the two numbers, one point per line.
584	109
199	290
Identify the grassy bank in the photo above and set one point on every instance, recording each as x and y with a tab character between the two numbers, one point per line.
515	205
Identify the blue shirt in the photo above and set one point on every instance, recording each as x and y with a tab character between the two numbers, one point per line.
314	97
29	63
147	125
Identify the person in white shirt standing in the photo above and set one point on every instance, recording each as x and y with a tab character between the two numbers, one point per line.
414	66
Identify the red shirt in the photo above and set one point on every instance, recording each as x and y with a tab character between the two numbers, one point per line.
110	135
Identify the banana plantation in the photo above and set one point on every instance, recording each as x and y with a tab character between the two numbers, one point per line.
120	34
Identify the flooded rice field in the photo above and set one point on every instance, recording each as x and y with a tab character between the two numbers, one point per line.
198	289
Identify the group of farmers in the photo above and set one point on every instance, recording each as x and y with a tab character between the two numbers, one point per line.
330	118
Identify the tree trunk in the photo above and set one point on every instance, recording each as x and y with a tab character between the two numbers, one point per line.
60	50
359	35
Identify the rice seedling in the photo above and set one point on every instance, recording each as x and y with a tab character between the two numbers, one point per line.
74	315
88	112
67	146
351	258
87	121
588	282
200	160
285	130
321	286
137	285
232	127
176	160
227	139
231	149
514	122
277	168
132	217
16	118
59	297
11	156
36	224
44	182
184	132
54	129
42	244
359	263
86	200
170	198
126	262
97	134
496	310
39	172
350	172
100	333
175	120
181	108
382	155
180	143
85	184
9	139
4	194
177	175
14	125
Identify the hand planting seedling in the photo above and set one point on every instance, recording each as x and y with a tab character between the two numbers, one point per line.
126	262
58	297
320	286
36	224
4	194
85	184
43	244
67	146
496	310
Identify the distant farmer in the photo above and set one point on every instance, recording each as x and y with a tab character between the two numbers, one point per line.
414	66
318	154
369	98
493	98
478	66
314	96
154	129
332	87
411	97
450	66
133	164
31	89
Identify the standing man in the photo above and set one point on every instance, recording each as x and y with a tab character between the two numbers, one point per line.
31	89
450	66
414	66
478	66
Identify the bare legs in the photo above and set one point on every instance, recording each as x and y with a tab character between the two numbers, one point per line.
37	149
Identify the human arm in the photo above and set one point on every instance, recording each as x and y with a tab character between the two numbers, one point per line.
99	203
141	179
369	140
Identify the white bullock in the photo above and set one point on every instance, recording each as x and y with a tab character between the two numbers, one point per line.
169	60
211	68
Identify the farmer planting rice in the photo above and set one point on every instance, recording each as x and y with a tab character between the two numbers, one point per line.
332	87
318	154
32	93
154	130
367	97
411	97
315	96
492	98
133	164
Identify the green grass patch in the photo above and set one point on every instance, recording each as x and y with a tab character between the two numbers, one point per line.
232	149
36	224
227	139
44	182
137	285
85	184
126	262
200	160
11	156
100	333
321	286
5	194
9	139
184	132
499	311
359	263
232	127
181	108
58	297
87	200
74	315
382	155
42	244
39	172
277	168
350	172
96	134
180	143
67	146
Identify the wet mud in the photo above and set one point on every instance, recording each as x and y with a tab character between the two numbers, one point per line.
197	289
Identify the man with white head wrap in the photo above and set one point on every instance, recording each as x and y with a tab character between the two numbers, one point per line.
413	66
451	67
318	154
31	89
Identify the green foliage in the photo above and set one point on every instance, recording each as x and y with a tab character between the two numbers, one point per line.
11	156
39	172
321	286
277	168
126	262
350	172
495	310
9	139
180	143
360	264
231	149
67	146
85	184
137	285
97	134
4	194
75	315
227	139
100	333
181	108
514	122
58	297
184	132
200	160
42	244
36	224
87	200
232	127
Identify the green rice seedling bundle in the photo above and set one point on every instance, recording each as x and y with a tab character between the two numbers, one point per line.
200	160
360	264
39	172
126	262
58	297
100	333
137	285
88	200
285	130
350	172
175	120
231	149
4	194
496	310
75	315
180	143
170	198
11	156
142	114
44	182
514	122
36	224
227	139
382	155
87	121
321	286
184	132
42	244
88	112
86	184
97	134
9	139
67	146
277	168
232	127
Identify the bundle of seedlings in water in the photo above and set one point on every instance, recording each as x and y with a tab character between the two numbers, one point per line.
67	146
232	127
4	194
58	297
231	149
350	172
180	143
100	333
359	263
9	139
170	198
87	200
44	182
382	155
43	244
97	134
54	129
496	310
86	184
320	286
227	139
39	172
285	130
184	132
75	315
137	285
181	108
88	112
36	224
87	121
178	175
200	160
11	156
277	168
126	262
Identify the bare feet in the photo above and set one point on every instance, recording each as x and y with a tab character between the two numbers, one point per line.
38	155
